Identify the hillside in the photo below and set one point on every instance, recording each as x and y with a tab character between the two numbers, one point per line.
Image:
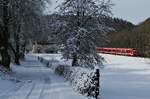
116	23
137	37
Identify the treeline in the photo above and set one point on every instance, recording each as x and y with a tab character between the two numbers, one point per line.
117	23
20	20
137	38
114	25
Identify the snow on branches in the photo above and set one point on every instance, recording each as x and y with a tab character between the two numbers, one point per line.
85	81
83	28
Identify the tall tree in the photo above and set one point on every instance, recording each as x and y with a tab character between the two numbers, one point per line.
83	26
5	34
22	14
19	17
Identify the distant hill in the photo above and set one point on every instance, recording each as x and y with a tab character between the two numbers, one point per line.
147	21
115	23
137	37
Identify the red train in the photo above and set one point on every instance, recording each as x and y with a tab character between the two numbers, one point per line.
117	51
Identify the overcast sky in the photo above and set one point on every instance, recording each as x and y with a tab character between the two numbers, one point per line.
134	11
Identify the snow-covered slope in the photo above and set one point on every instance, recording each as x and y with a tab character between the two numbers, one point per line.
125	78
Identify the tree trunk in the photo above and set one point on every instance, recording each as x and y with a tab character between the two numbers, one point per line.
5	38
75	60
17	58
17	54
17	39
5	58
22	56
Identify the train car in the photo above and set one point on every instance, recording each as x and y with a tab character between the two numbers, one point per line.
117	51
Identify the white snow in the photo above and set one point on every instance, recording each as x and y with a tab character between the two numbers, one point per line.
8	83
37	82
125	77
80	78
122	77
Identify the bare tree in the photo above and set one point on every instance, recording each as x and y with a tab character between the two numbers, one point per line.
18	17
5	34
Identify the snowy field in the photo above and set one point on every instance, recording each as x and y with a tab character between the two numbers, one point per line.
125	78
121	78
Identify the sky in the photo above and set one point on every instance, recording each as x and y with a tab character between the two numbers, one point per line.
134	11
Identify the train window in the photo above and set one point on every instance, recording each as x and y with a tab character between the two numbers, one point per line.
128	51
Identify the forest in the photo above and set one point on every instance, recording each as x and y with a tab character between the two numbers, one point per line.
137	37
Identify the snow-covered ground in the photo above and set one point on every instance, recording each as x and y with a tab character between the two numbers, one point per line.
8	82
125	78
36	82
121	78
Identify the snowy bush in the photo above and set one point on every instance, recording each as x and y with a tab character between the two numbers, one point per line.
82	79
46	62
60	70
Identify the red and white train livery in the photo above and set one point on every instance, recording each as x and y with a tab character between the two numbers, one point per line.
117	51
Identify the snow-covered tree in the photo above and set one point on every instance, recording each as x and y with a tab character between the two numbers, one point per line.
23	13
82	28
20	18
